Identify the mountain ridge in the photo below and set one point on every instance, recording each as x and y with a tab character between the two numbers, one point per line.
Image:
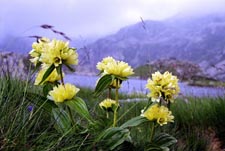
200	40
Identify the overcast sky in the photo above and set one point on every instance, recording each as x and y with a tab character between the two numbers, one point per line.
93	17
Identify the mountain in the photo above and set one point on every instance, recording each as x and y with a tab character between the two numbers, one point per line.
198	39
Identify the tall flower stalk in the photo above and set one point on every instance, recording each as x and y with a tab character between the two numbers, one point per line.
113	73
51	56
163	89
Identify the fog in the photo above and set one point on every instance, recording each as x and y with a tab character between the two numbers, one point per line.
87	20
93	18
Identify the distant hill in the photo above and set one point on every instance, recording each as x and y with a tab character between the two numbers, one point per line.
197	39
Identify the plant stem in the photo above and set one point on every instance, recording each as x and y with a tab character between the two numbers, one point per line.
107	114
152	131
109	94
117	104
61	75
168	105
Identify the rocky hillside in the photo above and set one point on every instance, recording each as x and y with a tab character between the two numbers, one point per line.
13	64
197	39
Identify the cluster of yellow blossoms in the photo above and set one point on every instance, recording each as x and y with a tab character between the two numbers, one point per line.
163	85
110	66
107	104
54	76
38	48
118	68
62	93
161	114
53	52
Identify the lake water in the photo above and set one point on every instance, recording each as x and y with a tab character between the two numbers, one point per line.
137	85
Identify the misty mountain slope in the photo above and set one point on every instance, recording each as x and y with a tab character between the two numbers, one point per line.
197	39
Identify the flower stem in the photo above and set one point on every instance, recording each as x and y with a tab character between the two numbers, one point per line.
117	104
61	74
107	114
109	94
152	131
168	105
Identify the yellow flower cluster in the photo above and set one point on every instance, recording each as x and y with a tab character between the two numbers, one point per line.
54	76
102	65
163	85
161	114
53	52
118	68
37	49
62	93
107	104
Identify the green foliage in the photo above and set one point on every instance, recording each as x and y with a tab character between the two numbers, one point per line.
134	122
47	73
164	140
79	106
21	129
18	125
42	102
63	121
113	137
102	84
48	86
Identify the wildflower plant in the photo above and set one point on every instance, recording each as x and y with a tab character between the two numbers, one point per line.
163	90
49	57
113	73
157	111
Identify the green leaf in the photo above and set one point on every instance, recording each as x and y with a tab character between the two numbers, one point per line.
46	88
164	140
102	84
114	136
63	122
153	147
47	73
134	122
119	138
78	105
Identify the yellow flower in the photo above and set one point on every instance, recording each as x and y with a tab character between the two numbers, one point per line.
111	66
54	76
152	112
58	52
38	48
101	65
107	104
164	116
63	92
118	68
163	85
160	114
